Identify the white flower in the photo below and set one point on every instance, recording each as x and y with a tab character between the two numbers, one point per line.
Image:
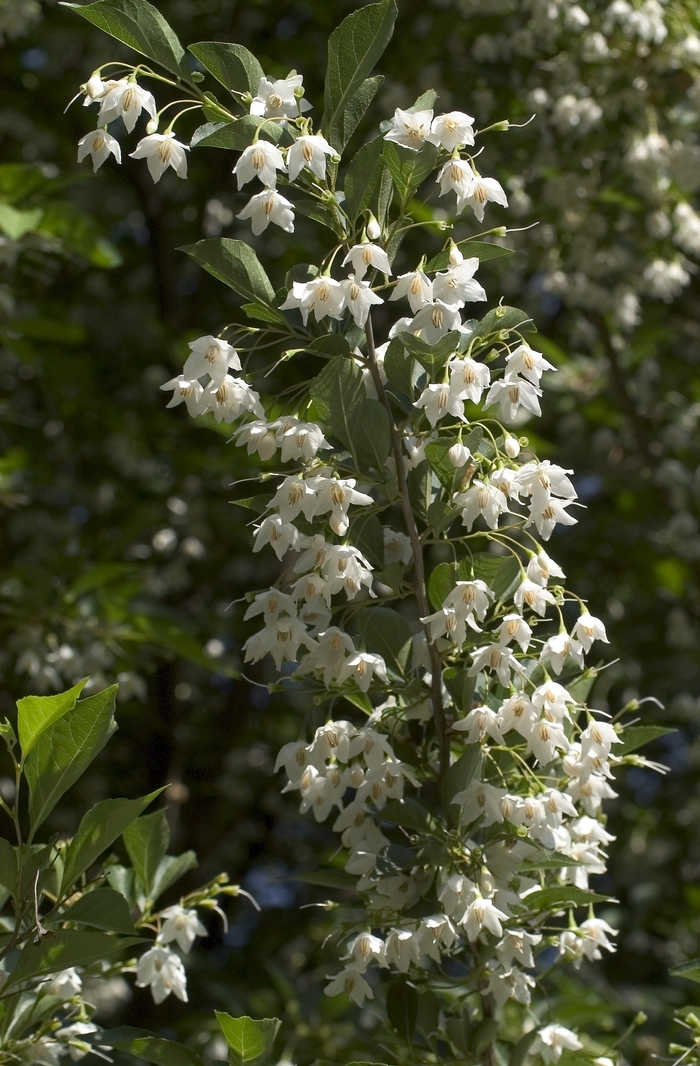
184	391
597	740
258	437
511	446
266	207
294	495
261	160
665	280
456	176
328	655
280	639
480	192
182	925
545	739
358	298
416	286
162	969
514	627
478	724
212	356
529	594
98	144
509	984
337	495
362	667
528	363
496	658
126	99
162	150
540	480
482	914
350	981
66	984
402	948
453	130
364	256
364	948
468	378
470	597
269	604
227	399
77	1048
511	394
309	151
481	499
411	129
541	567
553	1039
517	944
457	286
397	547
299	440
547	515
458	455
438	401
481	800
434	320
518	713
594	937
587	629
278	534
557	649
276	98
324	296
552	698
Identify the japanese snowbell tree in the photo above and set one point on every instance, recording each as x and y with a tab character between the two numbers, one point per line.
448	741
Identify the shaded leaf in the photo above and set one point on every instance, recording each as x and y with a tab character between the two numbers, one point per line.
636	736
144	1045
409	169
146	841
402	1009
141	26
370	434
385	632
336	392
235	136
247	1038
170	869
236	264
407	812
328	879
104	909
459	776
362	177
399	367
231	64
68	948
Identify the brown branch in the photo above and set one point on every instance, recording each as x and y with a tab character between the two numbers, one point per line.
417	548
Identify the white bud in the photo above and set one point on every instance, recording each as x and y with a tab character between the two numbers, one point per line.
458	454
512	447
456	256
94	87
152	125
374	230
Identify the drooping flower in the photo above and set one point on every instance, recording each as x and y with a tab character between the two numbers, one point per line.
162	150
323	296
359	298
309	151
411	129
261	160
181	924
416	286
162	969
266	207
99	144
453	130
212	356
126	99
366	255
276	98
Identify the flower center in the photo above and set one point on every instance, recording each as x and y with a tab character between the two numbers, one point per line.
164	151
275	100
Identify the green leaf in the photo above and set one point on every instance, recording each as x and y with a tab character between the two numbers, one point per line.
65	750
362	177
328	879
368	536
440	583
459	775
432	356
636	736
503	320
436	452
481	249
562	896
370	434
104	909
8	865
402	1009
353	49
36	713
502	573
231	64
236	264
407	812
15	223
247	1038
690	970
420	488
144	1045
141	26
399	367
234	136
409	169
385	632
170	869
329	345
356	109
99	828
460	685
68	948
146	842
263	313
521	1048
121	878
336	392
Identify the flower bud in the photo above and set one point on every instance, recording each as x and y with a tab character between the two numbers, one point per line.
152	125
458	454
356	776
511	447
374	230
456	256
94	87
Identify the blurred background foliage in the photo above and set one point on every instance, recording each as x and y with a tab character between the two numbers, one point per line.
122	555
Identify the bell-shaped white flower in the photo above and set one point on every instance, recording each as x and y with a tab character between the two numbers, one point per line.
65	984
323	296
482	914
258	437
359	298
544	741
557	649
481	499
266	207
457	286
98	145
162	970
309	151
276	98
181	924
532	595
126	99
528	363
362	667
416	287
553	1040
546	516
480	192
411	129
518	713
512	394
497	659
185	391
299	440
269	604
456	176
212	356
514	627
478	724
453	130
366	255
295	496
329	655
162	150
278	534
587	629
228	399
434	320
261	160
468	379
438	401
352	983
481	800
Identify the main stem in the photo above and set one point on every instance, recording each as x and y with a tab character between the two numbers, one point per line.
417	549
